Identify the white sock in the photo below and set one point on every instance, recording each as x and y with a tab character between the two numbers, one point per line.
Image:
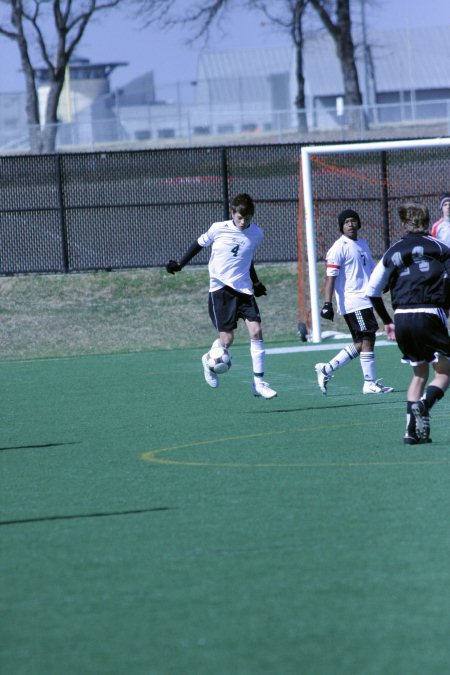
258	353
341	359
368	366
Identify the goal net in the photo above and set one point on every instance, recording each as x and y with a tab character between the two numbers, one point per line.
373	178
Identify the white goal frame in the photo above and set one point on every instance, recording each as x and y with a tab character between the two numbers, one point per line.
308	214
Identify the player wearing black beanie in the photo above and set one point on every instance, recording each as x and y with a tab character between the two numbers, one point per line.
349	263
348	213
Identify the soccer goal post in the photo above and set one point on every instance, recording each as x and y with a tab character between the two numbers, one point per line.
373	178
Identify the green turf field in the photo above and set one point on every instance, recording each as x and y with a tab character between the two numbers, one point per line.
153	526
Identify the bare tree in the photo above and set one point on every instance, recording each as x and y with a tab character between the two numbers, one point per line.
201	16
291	20
340	30
336	18
289	15
47	31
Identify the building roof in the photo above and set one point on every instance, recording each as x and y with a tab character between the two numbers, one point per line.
404	59
417	58
230	63
82	69
139	91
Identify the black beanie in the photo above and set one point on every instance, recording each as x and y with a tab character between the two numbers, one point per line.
348	213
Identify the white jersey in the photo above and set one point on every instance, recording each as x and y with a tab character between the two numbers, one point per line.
351	263
231	255
441	230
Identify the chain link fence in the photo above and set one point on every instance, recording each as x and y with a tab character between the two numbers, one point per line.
130	209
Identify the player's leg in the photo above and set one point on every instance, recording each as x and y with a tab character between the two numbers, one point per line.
222	311
434	392
226	338
258	354
367	357
365	326
413	394
410	333
441	379
324	371
420	336
418	381
249	311
433	344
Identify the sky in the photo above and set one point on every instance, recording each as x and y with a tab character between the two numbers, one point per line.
118	38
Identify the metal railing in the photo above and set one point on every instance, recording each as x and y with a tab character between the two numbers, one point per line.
172	125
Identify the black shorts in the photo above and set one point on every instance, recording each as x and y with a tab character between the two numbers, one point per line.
362	324
422	336
226	306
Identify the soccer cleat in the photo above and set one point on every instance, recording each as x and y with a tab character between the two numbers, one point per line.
374	387
210	377
420	412
322	377
411	438
261	388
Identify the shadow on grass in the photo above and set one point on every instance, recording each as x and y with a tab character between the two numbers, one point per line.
46	519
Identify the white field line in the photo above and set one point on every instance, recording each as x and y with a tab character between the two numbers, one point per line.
321	347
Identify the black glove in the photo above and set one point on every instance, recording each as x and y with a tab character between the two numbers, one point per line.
259	289
327	311
173	266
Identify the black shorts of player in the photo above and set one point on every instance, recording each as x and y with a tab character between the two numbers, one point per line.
421	336
362	324
226	306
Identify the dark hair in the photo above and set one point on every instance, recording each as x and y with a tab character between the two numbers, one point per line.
244	204
415	216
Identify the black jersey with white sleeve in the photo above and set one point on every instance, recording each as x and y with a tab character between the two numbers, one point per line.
416	269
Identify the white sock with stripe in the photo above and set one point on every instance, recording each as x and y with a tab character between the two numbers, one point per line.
341	359
368	366
258	353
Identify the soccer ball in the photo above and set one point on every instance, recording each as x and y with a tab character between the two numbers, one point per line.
219	359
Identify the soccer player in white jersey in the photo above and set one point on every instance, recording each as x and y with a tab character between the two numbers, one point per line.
349	264
233	285
441	228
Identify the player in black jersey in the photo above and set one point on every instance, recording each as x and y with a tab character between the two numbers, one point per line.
416	270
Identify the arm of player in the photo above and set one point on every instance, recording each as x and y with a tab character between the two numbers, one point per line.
380	308
377	282
327	311
174	266
258	288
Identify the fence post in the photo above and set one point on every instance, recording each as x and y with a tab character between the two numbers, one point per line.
62	214
385	200
225	196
